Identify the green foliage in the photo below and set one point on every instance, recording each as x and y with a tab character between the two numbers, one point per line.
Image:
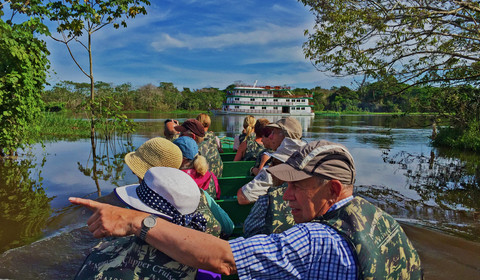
59	126
415	41
463	139
22	76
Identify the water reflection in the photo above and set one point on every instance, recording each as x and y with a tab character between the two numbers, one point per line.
233	124
24	204
396	169
105	162
449	188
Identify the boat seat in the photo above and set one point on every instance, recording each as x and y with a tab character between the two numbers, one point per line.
237	168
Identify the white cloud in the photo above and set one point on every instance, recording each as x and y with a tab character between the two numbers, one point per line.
268	35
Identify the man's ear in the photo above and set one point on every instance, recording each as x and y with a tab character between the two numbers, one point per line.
336	188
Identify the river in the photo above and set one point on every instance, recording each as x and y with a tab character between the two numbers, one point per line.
437	191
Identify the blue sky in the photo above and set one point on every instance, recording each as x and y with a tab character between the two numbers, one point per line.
198	44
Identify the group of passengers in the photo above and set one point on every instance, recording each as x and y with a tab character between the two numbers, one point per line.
304	222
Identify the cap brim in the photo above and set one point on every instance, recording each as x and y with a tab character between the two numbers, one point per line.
287	173
273	125
180	128
128	195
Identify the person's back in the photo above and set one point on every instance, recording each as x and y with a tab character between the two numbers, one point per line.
176	199
208	148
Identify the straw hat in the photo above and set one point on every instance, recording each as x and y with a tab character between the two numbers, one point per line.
155	152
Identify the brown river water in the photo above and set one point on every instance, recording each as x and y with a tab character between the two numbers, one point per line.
434	193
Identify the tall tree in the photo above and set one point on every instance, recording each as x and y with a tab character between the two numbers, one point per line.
79	19
416	41
23	67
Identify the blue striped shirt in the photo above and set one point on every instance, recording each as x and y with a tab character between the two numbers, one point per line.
306	251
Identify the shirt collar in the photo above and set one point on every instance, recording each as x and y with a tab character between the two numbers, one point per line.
340	203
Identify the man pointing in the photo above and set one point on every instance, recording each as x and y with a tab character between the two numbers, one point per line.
337	236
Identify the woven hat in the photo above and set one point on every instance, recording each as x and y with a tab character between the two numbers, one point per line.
290	126
162	184
193	125
325	159
287	148
154	152
188	146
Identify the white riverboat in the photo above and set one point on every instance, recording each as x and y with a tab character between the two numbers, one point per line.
266	100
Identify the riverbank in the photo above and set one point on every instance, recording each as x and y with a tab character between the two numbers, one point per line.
445	257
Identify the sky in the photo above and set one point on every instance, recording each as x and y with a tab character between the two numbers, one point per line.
198	44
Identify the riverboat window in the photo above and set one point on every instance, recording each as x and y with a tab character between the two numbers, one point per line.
252	107
259	91
248	91
303	108
298	100
275	108
236	98
264	108
275	100
264	99
252	99
237	107
242	91
288	100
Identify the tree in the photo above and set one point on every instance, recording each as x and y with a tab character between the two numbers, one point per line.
416	41
22	77
77	18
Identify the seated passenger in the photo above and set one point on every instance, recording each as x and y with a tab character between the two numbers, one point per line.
211	147
248	129
169	129
156	152
165	193
286	136
252	147
196	166
265	159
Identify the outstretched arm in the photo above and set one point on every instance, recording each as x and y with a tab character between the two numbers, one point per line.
185	245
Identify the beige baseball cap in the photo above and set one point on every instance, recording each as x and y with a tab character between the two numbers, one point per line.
325	159
291	127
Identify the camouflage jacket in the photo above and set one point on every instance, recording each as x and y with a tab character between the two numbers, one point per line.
253	150
131	258
269	214
383	250
213	226
259	158
208	149
279	216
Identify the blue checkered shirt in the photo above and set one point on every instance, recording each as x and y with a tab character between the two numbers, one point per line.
305	251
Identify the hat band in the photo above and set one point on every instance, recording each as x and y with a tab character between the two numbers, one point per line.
160	204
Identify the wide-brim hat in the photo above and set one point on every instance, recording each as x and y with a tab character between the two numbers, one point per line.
173	185
325	159
287	148
290	126
154	152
